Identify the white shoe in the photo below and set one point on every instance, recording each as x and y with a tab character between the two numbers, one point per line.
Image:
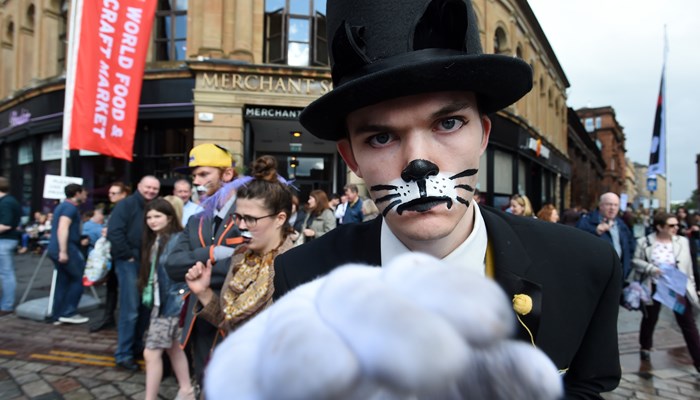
74	319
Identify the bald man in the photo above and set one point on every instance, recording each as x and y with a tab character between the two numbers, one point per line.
124	233
606	223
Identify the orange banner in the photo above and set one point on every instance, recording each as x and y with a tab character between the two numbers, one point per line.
110	60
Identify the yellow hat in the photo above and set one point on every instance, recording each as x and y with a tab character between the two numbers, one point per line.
208	155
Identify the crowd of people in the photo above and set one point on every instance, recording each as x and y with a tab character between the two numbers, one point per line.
156	242
232	258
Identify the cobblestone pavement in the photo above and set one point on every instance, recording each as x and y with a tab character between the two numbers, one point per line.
42	361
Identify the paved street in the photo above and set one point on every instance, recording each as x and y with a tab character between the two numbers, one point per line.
42	361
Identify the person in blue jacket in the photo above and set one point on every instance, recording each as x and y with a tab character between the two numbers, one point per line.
606	223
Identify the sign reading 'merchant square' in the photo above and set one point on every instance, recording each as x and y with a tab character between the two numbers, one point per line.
265	83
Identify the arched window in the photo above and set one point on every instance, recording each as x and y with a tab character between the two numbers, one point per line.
10	32
29	18
500	41
295	32
519	52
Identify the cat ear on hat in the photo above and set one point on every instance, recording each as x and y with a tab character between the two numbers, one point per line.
443	25
349	50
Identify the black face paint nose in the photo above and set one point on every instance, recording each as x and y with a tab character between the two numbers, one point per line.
419	169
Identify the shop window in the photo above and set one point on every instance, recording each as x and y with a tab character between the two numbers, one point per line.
170	30
503	172
482	185
162	145
25	154
522	176
51	147
544	186
295	32
6	161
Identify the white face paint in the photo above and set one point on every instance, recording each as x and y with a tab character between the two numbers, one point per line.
201	189
423	194
443	128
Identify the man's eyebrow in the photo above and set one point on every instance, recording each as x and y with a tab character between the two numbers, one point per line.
451	109
370	128
446	110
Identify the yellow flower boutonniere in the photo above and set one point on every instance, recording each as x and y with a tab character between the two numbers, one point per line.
522	304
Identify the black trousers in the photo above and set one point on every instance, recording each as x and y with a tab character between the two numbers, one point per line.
685	321
200	347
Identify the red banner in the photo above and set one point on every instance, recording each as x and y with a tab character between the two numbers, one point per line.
110	59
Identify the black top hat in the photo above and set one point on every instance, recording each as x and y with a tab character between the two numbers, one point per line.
383	49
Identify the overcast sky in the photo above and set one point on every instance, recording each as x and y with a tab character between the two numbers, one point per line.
612	53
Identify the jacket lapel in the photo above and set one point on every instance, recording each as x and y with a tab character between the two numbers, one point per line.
512	264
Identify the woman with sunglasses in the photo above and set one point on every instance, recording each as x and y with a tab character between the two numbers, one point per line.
665	248
263	207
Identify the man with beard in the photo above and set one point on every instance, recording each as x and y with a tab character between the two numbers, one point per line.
124	233
409	109
210	235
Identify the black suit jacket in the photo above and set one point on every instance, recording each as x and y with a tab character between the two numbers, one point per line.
572	277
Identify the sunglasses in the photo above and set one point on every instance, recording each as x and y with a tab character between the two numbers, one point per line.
672	225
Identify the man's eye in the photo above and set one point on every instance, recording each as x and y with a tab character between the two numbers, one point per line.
380	139
450	124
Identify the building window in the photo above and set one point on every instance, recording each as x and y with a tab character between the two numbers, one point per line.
542	91
62	37
171	30
30	16
588	124
295	32
522	176
598	122
10	33
503	172
500	42
482	185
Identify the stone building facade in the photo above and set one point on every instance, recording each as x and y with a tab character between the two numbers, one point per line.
237	73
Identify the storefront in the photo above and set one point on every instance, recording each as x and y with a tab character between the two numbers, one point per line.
516	162
31	138
255	111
